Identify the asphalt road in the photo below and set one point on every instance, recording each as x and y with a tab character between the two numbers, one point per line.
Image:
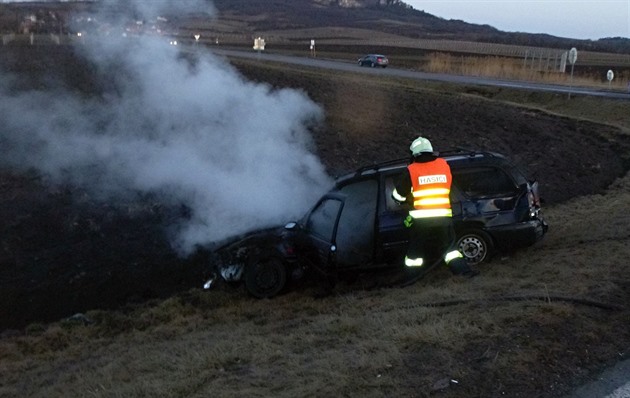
409	74
613	383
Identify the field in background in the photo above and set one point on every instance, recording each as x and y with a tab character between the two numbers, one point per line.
498	61
503	61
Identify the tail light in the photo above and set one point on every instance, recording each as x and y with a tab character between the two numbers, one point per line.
533	209
533	199
289	249
533	191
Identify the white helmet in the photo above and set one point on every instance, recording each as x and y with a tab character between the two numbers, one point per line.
420	145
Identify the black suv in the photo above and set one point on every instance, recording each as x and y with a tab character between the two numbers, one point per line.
358	227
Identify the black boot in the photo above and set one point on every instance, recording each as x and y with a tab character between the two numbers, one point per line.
460	266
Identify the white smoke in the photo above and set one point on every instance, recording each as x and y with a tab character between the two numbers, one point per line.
238	154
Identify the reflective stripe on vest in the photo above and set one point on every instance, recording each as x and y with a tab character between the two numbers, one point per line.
431	213
431	187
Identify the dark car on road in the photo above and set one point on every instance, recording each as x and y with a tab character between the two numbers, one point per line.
357	226
373	60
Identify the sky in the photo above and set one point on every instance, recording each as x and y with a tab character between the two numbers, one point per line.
576	19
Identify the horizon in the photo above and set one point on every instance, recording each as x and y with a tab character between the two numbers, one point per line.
582	20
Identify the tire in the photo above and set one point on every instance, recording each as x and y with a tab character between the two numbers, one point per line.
372	64
476	246
265	277
360	63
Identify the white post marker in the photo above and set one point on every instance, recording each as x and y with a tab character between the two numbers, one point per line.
197	36
259	44
572	60
610	76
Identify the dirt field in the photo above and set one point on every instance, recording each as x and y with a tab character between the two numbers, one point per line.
59	243
64	252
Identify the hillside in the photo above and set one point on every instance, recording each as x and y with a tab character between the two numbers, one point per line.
390	17
394	17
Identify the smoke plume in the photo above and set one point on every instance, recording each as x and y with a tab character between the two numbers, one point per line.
238	154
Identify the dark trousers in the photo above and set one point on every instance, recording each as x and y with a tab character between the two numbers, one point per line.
430	239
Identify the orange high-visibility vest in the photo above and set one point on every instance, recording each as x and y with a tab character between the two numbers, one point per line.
431	186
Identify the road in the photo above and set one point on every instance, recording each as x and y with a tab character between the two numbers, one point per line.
409	74
613	383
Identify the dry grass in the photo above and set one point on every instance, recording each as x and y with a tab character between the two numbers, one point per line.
372	343
490	66
515	69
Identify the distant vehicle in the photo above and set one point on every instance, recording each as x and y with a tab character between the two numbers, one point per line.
373	60
357	226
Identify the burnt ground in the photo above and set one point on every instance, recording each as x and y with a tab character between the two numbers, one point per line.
63	252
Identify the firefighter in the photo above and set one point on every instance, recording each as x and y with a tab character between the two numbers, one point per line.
426	187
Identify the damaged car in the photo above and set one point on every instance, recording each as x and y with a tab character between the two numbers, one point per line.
357	227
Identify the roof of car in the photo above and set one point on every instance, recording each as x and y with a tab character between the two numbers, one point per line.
454	156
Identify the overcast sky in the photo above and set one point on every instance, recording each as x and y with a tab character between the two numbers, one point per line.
577	19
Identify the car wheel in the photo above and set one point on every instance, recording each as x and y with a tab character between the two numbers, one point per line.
372	64
475	245
360	63
265	277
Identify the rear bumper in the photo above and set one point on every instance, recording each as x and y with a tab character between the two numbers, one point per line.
519	235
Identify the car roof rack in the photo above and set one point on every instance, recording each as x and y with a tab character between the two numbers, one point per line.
450	152
465	152
374	167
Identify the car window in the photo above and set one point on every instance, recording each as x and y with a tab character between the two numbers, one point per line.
483	182
355	234
321	221
392	205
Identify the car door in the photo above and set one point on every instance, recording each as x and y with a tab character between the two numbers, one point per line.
321	230
357	224
341	227
393	237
